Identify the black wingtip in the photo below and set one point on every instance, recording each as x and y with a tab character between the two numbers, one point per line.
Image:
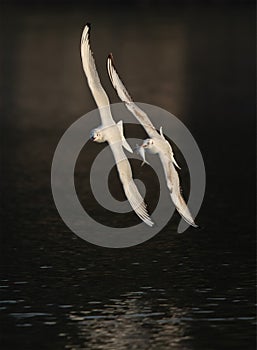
110	56
112	60
86	33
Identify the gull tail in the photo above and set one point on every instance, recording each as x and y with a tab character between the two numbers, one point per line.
123	140
174	162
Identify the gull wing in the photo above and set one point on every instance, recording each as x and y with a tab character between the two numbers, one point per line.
123	94
125	173
173	184
103	104
100	96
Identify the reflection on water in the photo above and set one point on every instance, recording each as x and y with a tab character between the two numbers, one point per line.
190	291
131	319
102	299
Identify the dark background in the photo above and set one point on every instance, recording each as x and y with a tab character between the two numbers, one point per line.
192	291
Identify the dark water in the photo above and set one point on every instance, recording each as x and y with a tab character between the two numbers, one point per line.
189	291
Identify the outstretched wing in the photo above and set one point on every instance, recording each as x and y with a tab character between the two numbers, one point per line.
94	83
123	94
103	104
125	173
173	184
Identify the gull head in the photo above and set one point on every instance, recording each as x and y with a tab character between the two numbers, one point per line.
96	135
148	144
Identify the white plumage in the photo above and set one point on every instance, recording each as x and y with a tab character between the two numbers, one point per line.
110	131
156	144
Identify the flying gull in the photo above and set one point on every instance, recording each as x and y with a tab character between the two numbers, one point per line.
111	132
155	144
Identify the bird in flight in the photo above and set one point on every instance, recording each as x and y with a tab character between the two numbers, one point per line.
111	132
155	144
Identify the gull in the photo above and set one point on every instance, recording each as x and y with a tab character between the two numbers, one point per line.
111	132
155	144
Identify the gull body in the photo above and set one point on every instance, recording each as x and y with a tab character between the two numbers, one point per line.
155	144
111	132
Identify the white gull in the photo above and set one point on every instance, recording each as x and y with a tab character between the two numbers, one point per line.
111	132
156	144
